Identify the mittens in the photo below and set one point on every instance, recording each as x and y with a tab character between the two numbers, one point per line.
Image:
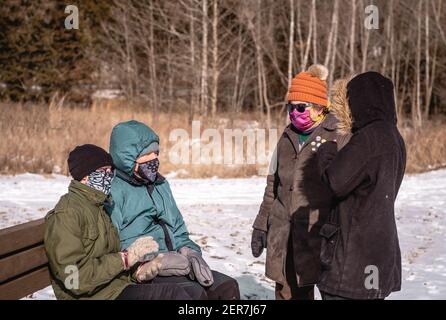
174	264
137	250
149	270
258	242
199	268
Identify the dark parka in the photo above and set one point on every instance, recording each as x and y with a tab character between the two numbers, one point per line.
361	238
79	234
289	213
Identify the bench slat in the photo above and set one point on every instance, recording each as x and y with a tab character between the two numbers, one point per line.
21	236
22	262
25	285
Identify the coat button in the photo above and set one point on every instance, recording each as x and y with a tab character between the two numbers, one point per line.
292	188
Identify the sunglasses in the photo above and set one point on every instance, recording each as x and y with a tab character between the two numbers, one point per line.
300	107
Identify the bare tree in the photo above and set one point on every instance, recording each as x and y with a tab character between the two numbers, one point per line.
352	37
211	56
215	65
416	105
291	42
204	60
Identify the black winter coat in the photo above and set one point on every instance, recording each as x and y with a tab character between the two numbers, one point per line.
360	248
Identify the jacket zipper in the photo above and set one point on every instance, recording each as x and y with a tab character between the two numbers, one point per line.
161	222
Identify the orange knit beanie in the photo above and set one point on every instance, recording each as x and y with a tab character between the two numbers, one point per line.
310	86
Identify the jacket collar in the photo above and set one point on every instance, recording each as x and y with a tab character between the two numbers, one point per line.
94	196
328	124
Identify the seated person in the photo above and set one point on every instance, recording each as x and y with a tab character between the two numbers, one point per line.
83	247
143	205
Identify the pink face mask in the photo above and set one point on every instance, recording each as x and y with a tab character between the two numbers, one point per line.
302	120
308	120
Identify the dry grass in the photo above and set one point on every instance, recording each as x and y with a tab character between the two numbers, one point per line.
38	139
426	148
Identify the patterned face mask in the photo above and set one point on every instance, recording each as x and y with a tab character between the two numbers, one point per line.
100	180
148	170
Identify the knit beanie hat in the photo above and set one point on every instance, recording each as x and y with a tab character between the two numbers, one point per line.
85	159
310	86
153	147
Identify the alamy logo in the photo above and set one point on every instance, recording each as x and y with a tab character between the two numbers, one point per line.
372	278
72	280
372	20
72	20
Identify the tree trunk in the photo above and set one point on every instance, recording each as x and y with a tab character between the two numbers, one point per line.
416	105
314	14
204	60
352	38
291	43
310	33
235	106
194	106
215	67
334	44
153	77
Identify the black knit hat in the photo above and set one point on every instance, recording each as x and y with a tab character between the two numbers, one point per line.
85	159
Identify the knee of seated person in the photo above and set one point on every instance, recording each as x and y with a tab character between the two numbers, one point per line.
194	290
224	287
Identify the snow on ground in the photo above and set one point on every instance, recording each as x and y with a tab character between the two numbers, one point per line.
219	214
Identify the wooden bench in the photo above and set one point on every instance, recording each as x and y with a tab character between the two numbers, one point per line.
23	262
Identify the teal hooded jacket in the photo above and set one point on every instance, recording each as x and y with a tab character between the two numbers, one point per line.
134	210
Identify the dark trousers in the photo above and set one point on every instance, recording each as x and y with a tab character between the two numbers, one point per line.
327	296
182	288
290	290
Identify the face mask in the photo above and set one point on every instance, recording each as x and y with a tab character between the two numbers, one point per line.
100	180
307	120
149	170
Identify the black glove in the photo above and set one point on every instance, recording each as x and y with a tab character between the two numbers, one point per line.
258	242
325	155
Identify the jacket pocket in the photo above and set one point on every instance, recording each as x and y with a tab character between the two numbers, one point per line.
90	236
330	237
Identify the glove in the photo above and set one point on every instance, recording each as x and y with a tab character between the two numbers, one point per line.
137	250
149	270
258	242
174	264
200	270
325	155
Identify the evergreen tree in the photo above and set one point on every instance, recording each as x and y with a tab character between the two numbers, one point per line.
39	56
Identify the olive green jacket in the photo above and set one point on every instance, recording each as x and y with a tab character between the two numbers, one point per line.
83	247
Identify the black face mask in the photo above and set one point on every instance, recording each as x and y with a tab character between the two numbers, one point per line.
149	170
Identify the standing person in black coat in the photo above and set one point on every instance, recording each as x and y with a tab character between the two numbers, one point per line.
360	248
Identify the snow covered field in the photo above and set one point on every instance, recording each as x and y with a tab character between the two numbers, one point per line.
219	214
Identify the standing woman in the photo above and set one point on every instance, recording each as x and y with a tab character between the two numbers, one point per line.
295	202
360	248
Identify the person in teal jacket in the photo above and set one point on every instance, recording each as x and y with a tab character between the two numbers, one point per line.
143	205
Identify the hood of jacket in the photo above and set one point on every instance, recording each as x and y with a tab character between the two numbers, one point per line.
357	101
371	97
127	141
340	107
